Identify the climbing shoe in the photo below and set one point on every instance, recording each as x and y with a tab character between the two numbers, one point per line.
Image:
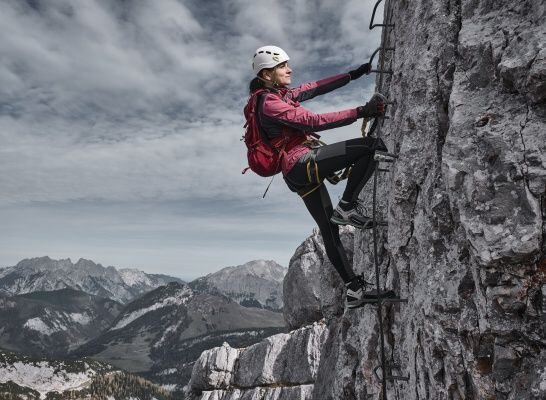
357	295
349	214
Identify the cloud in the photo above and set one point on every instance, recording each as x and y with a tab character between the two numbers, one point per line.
132	101
139	103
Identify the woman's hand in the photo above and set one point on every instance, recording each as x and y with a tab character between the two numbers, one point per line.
373	108
363	69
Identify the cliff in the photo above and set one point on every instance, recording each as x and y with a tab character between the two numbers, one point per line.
466	207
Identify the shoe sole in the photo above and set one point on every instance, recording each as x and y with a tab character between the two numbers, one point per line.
345	222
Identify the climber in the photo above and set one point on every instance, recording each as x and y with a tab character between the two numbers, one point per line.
290	129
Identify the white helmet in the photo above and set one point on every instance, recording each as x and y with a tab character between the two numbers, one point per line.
268	57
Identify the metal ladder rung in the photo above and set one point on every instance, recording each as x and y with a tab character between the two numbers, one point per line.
393	300
397	378
388	25
377	223
389	376
384	157
385	367
372	25
377	51
385	153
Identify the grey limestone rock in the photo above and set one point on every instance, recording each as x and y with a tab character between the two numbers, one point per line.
288	358
261	393
214	368
312	287
283	366
466	206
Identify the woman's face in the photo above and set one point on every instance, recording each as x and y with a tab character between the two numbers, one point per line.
281	75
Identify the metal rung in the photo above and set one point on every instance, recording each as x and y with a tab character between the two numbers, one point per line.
377	51
387	154
397	378
394	300
372	25
378	223
385	157
383	170
389	376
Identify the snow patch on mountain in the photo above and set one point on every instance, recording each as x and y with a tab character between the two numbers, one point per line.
36	324
167	332
181	297
134	277
80	318
44	378
56	321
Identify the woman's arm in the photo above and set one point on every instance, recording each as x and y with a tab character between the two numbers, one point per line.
312	89
275	111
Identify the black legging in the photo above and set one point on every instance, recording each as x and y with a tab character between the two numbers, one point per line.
323	162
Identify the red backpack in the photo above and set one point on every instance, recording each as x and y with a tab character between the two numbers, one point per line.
263	157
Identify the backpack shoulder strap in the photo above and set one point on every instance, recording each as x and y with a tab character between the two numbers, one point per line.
259	99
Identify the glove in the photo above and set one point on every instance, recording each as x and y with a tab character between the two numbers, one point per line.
363	69
373	108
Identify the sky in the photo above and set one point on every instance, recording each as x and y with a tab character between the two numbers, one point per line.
121	120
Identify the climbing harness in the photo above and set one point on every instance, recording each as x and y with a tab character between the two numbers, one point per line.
384	371
313	176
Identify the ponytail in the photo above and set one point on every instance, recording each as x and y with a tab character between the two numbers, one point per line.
256	84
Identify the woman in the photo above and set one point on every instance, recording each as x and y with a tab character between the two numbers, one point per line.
290	129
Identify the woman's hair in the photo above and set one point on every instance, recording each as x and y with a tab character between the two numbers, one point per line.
258	83
255	84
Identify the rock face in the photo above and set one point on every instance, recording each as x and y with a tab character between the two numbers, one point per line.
254	284
466	205
307	291
283	366
466	209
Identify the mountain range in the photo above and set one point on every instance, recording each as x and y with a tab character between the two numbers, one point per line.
44	274
53	323
162	333
152	325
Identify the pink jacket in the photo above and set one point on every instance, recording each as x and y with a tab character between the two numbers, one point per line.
281	116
